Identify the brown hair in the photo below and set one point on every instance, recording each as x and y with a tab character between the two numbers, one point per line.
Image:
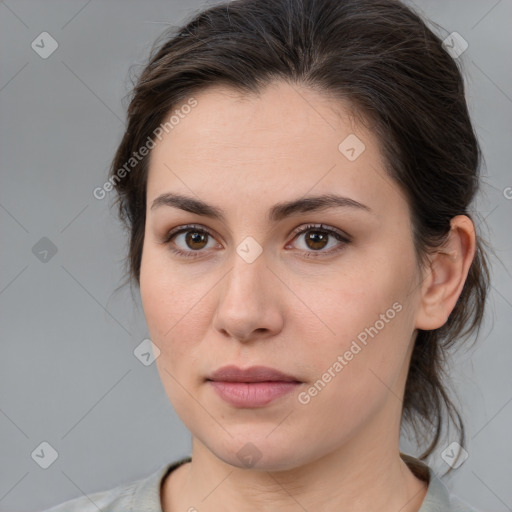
395	72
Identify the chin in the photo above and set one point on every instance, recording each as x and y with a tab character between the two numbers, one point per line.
259	453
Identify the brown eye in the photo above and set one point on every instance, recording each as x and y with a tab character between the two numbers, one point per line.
318	237
188	241
196	240
316	240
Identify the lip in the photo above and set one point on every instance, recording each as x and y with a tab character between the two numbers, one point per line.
232	373
252	394
256	386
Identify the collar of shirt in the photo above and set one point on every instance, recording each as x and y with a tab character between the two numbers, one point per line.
146	496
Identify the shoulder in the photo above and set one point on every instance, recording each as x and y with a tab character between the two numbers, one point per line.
438	497
117	498
459	505
139	494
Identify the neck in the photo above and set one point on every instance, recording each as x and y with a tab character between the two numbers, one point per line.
366	473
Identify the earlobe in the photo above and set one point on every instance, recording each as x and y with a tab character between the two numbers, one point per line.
446	274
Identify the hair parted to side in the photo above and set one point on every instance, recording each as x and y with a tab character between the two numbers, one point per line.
393	70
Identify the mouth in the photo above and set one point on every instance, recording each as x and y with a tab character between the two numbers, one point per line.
251	387
253	374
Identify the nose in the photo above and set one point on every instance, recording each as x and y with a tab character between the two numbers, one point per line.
248	306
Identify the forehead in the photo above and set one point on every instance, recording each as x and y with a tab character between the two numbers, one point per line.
285	140
232	119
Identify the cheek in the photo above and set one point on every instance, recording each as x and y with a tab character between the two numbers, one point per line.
165	303
354	379
372	316
167	297
367	303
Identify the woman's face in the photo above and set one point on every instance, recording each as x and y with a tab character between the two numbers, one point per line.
335	311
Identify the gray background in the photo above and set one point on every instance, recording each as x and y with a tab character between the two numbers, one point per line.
68	373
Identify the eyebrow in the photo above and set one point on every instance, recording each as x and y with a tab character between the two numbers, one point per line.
278	212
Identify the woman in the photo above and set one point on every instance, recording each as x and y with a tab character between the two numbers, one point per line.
297	178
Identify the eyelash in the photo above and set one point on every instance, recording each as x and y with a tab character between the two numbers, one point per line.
339	236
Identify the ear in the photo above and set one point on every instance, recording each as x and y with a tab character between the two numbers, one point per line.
446	274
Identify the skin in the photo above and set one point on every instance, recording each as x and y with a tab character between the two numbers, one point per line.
243	154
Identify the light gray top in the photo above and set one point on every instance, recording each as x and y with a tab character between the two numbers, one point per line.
143	495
